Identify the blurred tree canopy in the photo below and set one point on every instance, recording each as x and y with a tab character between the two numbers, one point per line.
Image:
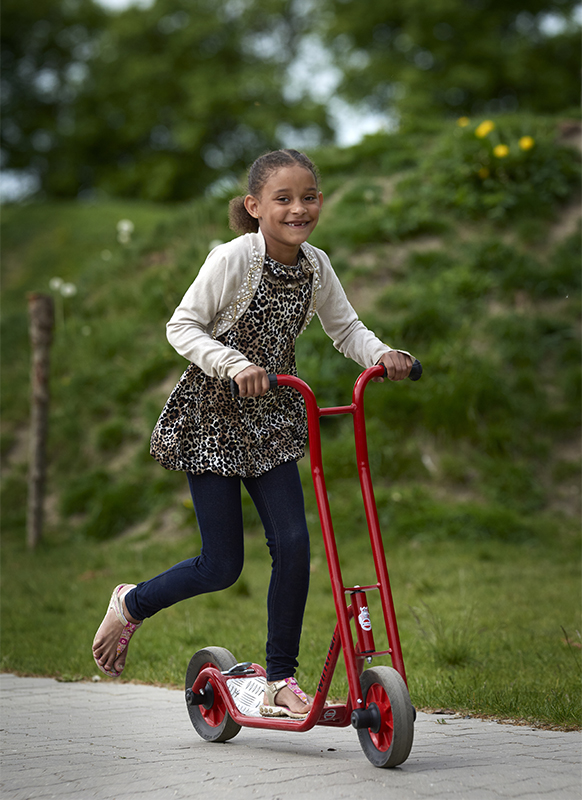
465	56
160	102
151	102
45	49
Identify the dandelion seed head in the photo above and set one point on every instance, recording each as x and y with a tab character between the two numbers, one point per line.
68	290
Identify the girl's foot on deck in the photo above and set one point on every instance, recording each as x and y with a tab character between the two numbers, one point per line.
284	698
112	638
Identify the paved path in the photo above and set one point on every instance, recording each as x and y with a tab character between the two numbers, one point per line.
113	741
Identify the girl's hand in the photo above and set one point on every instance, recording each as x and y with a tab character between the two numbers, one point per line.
252	382
398	366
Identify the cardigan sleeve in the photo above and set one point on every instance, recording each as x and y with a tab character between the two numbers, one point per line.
189	331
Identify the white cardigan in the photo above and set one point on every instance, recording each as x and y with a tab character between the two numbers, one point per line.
223	291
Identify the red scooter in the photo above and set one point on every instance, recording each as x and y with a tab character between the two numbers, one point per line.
223	695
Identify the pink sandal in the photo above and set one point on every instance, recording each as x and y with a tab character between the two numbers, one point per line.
128	630
270	709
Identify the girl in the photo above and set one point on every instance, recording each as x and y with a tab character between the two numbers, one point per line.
239	319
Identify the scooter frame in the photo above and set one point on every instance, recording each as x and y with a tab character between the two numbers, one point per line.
210	688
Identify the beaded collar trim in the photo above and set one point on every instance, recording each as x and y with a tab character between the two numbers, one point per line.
236	308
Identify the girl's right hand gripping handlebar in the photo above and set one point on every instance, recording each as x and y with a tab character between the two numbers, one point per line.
415	373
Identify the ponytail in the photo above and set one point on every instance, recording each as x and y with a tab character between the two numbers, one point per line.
239	219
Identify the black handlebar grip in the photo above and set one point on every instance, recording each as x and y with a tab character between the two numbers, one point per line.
416	370
234	385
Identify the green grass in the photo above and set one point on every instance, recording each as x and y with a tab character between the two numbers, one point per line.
488	628
476	467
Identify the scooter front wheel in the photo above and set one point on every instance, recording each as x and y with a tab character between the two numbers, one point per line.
211	720
388	743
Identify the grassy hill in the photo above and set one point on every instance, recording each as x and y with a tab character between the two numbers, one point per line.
464	254
488	298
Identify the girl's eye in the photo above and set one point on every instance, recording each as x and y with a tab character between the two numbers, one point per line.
310	198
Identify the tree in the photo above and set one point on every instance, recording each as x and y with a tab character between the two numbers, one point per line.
460	56
45	49
167	99
186	91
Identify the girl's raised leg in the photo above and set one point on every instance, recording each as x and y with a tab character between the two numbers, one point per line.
217	502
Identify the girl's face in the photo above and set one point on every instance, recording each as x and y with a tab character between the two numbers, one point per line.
287	210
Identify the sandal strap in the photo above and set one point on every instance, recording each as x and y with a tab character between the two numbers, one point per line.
129	628
117	606
296	689
273	689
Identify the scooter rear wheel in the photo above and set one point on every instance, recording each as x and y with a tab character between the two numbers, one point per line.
390	745
214	724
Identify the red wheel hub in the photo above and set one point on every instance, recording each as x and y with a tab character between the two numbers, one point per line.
214	715
383	739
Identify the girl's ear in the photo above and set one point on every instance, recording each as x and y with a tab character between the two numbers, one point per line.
252	205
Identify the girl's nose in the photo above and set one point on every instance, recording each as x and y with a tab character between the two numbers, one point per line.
297	207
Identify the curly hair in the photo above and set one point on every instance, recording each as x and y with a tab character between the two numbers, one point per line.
238	217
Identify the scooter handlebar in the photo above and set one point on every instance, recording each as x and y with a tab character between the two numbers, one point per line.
234	385
415	374
416	371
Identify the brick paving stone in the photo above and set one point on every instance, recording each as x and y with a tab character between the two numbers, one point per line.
121	741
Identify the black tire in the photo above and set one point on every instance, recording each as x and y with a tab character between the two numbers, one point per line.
213	724
391	745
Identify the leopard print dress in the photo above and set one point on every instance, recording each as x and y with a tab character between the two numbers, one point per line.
203	428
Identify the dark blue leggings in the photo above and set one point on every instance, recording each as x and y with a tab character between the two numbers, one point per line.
278	497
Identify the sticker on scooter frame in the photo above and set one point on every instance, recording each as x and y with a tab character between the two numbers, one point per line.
364	619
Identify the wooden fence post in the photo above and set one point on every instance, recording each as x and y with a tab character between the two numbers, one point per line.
41	323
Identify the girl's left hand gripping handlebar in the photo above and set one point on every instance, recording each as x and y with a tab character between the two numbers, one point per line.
415	374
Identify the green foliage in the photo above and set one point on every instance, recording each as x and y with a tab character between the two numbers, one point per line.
454	56
109	350
374	155
156	102
13	495
45	50
502	168
413	514
160	102
457	168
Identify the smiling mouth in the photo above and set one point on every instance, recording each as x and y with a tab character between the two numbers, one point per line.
297	224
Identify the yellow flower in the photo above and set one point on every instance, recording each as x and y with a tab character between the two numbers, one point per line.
484	128
501	150
483	173
526	142
462	122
